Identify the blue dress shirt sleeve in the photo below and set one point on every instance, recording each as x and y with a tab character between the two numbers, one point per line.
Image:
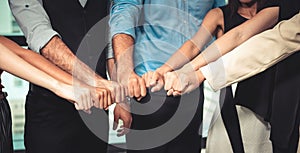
125	16
219	3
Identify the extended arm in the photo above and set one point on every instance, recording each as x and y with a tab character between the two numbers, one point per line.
12	63
265	19
211	26
36	26
187	76
57	75
128	13
256	55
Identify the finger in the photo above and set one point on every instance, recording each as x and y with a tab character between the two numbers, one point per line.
95	97
90	104
76	106
130	90
145	77
168	81
170	92
101	98
142	88
176	85
176	93
155	77
97	102
158	86
139	98
109	100
136	88
123	132
126	126
113	91
104	99
87	101
82	102
123	94
88	111
180	86
126	91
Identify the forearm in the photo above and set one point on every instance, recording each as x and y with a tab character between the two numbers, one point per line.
260	22
37	61
123	45
111	68
59	54
256	55
12	63
182	56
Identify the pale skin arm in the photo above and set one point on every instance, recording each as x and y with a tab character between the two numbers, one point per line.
100	96
212	25
260	22
12	63
59	54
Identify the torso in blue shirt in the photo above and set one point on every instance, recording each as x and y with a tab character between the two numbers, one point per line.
166	25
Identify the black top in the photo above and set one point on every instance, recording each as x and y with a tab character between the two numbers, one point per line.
275	93
255	92
233	19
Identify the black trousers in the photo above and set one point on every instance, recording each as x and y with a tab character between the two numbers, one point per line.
54	126
166	124
5	126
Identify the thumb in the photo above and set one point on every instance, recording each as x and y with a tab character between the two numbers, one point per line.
158	86
154	79
76	106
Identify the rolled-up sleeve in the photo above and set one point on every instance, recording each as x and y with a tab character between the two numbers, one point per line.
255	55
219	3
125	16
34	22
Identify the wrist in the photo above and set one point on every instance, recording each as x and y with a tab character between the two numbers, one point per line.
163	69
124	105
200	76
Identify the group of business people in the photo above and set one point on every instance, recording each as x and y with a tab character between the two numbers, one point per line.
155	45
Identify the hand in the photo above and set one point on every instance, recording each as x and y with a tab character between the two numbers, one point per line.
117	90
181	82
102	98
135	85
122	111
154	80
80	96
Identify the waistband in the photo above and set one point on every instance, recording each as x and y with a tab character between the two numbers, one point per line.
3	95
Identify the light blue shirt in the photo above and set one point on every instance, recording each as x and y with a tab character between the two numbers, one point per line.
159	27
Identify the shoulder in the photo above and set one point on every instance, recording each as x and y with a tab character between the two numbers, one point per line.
214	18
215	13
